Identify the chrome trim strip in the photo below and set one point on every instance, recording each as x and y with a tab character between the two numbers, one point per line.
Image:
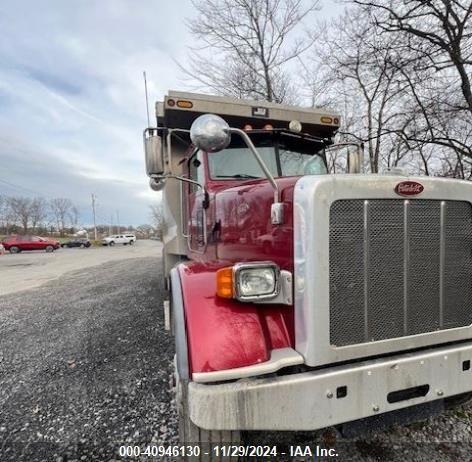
406	264
279	358
366	269
442	262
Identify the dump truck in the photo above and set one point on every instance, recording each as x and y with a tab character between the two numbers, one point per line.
301	299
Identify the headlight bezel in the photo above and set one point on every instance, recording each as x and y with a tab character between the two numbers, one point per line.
241	267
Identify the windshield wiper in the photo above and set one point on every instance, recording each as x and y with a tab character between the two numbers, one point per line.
240	175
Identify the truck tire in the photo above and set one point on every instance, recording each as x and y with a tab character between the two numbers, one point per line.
190	434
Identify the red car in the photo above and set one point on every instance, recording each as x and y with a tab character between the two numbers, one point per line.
16	244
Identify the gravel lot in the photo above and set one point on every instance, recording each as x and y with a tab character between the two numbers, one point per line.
85	366
27	270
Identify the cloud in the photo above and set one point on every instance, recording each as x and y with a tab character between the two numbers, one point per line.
72	104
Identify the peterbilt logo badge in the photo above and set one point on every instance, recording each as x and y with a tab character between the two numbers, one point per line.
409	188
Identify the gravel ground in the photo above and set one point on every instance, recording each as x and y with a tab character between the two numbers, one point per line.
85	366
28	270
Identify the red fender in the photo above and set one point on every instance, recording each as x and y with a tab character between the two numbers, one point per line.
223	333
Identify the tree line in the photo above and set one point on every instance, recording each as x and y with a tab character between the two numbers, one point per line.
36	215
398	71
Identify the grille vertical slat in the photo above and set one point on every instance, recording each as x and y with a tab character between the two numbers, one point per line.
366	269
442	262
398	268
406	263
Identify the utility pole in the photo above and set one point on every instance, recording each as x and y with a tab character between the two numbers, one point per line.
94	217
118	221
110	228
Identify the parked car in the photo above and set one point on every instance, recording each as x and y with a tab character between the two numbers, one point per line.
16	244
131	236
119	239
78	242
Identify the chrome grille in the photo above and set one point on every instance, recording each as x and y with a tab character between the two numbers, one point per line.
398	267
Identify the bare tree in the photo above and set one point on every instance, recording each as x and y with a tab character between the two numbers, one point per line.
38	212
145	230
20	208
438	32
433	56
60	208
157	218
74	216
247	45
357	59
4	211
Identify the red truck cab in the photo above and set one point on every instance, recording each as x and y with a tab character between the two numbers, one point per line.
339	297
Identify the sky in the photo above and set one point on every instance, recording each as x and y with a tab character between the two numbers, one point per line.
72	105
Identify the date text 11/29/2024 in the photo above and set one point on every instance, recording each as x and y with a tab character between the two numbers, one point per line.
132	451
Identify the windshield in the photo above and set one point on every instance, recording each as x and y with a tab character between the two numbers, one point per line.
284	155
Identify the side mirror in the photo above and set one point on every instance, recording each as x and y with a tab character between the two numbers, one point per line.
154	152
210	133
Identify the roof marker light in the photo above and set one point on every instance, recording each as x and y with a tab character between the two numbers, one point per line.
184	104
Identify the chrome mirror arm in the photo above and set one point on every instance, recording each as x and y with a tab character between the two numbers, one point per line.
258	157
180	178
277	208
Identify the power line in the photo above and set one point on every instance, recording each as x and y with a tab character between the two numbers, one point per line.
21	187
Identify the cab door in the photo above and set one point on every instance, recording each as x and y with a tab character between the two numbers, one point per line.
196	207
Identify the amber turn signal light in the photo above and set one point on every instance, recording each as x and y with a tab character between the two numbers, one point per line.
224	282
184	104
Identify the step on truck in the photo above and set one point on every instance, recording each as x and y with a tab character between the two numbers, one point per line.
301	299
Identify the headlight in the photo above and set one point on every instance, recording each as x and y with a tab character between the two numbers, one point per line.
249	281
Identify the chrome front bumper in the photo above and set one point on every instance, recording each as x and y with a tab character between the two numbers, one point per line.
309	401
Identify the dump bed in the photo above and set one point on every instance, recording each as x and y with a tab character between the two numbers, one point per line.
180	109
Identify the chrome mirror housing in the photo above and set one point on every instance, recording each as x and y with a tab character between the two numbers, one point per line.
210	133
154	152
